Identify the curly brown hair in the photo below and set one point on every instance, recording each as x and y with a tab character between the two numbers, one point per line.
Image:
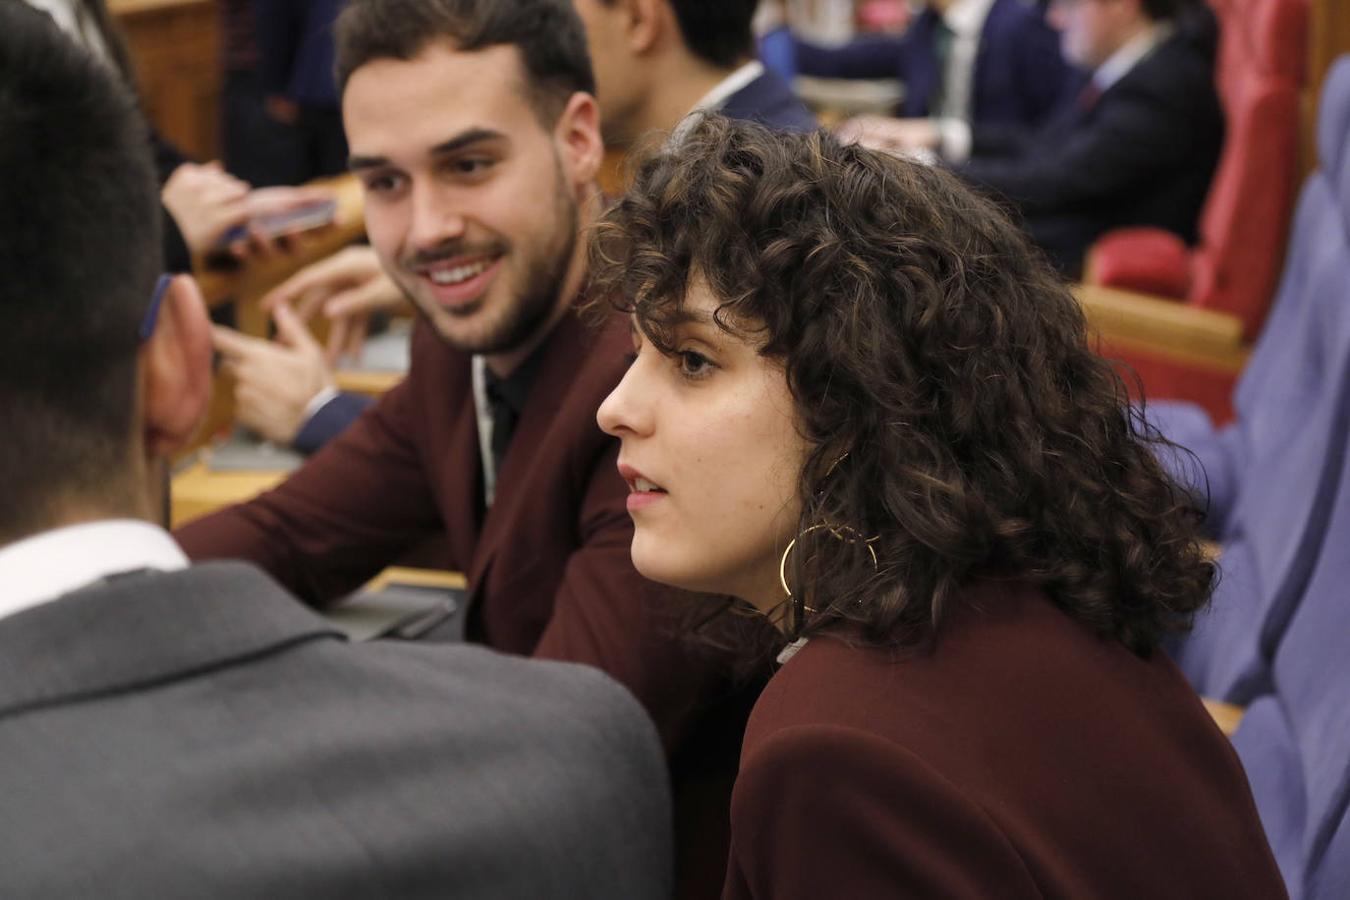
942	372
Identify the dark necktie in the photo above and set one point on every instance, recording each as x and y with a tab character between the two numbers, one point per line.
504	419
943	38
1088	96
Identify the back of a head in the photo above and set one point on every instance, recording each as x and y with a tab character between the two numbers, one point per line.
548	33
717	32
80	252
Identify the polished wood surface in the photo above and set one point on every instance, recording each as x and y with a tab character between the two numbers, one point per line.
1328	38
1129	320
372	384
1227	716
175	48
417	578
197	490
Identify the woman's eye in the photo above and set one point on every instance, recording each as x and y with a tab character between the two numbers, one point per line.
693	364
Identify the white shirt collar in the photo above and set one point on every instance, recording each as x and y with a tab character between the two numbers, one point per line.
1119	64
48	565
82	30
717	97
966	17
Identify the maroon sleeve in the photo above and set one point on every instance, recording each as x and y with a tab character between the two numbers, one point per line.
829	811
341	518
607	615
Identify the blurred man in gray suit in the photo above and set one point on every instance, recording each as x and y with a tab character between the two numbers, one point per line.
170	731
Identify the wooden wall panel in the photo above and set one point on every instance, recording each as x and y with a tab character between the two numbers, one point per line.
1329	37
175	45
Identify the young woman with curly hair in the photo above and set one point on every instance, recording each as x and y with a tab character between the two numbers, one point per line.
863	404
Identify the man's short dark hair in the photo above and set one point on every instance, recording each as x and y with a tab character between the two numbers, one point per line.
80	253
548	33
716	31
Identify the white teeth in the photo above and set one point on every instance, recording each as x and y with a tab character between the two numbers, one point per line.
644	485
459	273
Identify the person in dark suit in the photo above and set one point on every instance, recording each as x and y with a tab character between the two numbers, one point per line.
1136	145
295	64
195	732
657	60
475	134
863	405
964	64
201	202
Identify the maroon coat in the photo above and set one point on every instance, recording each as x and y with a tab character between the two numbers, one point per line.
1022	757
549	571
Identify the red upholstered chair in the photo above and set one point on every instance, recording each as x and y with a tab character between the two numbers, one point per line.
1243	228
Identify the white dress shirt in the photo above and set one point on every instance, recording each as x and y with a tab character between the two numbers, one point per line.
71	18
1119	64
965	19
47	565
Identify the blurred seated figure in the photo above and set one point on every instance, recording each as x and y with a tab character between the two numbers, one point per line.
177	731
658	60
863	405
1135	144
964	64
295	47
202	203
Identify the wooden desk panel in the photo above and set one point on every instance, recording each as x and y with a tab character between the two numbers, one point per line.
175	48
197	490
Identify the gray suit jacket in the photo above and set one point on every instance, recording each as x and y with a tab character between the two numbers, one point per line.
200	734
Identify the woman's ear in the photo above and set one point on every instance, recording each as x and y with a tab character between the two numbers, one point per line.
175	367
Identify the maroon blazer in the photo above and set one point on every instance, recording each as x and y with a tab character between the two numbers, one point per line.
549	572
1021	757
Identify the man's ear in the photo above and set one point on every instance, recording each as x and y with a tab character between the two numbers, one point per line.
645	23
176	370
578	139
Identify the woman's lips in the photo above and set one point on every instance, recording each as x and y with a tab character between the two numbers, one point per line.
642	491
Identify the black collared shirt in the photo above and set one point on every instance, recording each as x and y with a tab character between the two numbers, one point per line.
506	400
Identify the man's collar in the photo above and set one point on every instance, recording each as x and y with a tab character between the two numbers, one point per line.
716	98
967	17
1119	64
146	628
47	565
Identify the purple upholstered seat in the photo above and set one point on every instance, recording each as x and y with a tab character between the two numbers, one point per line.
1278	465
1295	741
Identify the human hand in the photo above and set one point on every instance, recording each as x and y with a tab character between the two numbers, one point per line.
281	108
346	288
205	202
900	136
274	380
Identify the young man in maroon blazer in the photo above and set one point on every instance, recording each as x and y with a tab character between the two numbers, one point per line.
473	126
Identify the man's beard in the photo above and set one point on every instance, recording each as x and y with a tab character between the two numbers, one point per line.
544	275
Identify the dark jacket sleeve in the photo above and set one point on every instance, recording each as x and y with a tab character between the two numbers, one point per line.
1129	138
878	57
330	420
177	256
830	811
278	24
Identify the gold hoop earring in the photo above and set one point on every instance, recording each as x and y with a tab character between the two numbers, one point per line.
856	537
